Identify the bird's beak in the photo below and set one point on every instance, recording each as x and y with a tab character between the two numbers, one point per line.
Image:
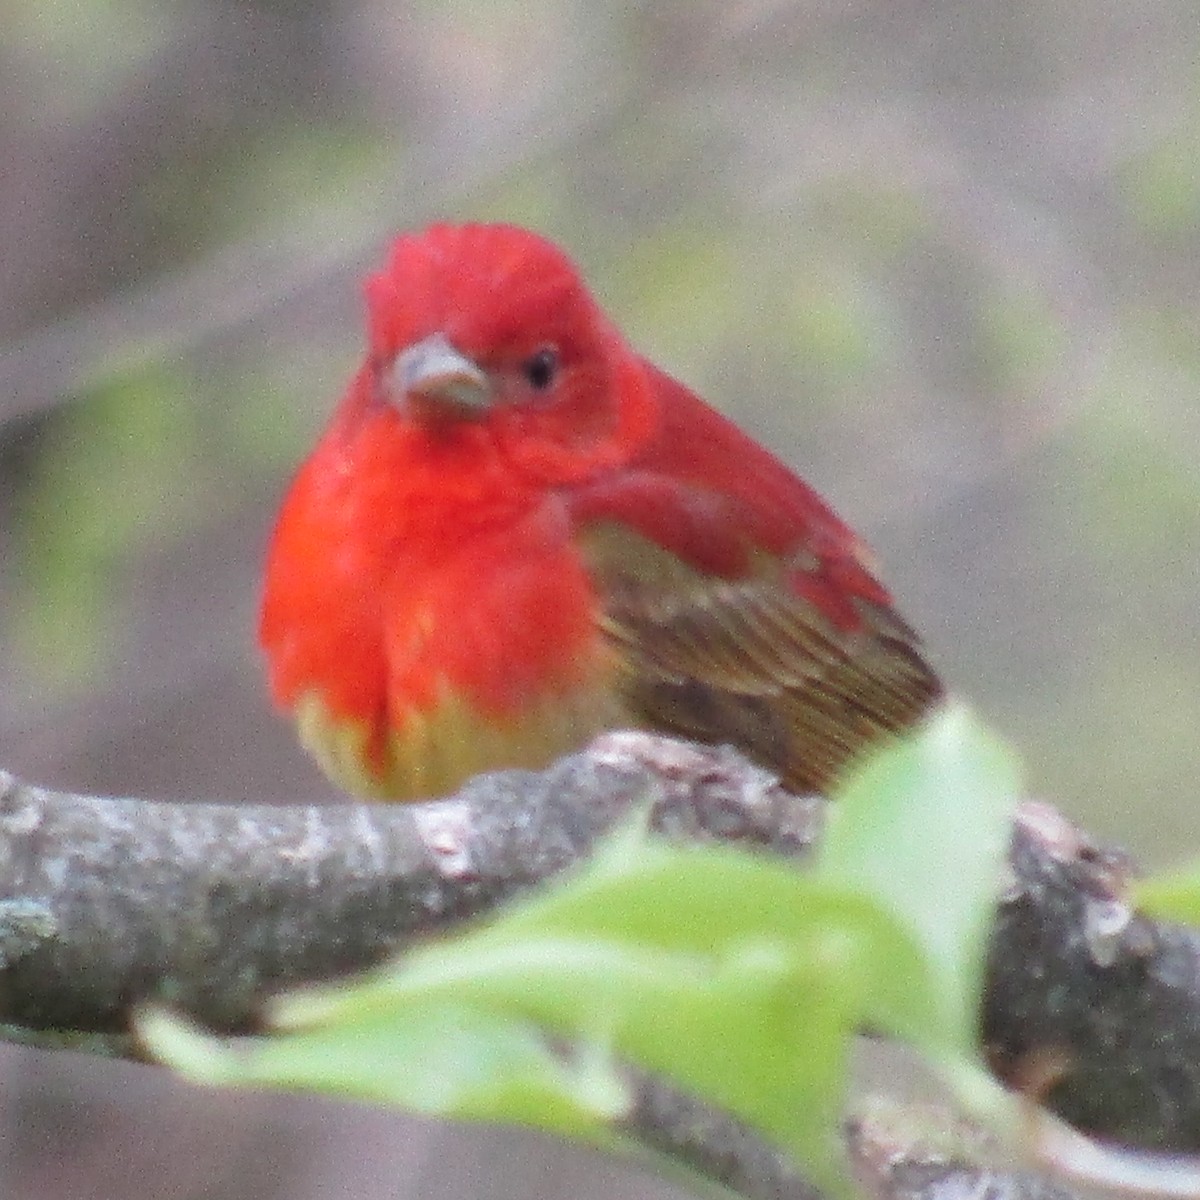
434	372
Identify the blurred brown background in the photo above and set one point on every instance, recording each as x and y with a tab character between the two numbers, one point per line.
943	257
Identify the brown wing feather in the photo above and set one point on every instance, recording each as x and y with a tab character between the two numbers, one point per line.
748	663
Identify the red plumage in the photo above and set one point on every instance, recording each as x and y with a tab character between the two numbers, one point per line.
516	532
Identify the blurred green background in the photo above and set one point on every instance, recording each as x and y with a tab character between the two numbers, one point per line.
942	257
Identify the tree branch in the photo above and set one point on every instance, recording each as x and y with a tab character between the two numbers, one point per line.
1090	1006
105	903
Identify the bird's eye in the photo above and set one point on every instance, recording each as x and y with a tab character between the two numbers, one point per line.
541	368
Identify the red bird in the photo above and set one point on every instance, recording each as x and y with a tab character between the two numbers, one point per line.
516	532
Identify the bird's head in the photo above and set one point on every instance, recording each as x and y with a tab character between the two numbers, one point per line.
490	327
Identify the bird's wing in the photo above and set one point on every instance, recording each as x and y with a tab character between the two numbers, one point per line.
750	663
753	664
740	608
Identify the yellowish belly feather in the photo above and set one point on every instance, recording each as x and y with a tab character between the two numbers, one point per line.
441	748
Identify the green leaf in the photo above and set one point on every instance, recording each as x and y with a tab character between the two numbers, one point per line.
740	978
922	828
1171	895
761	1030
448	1060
